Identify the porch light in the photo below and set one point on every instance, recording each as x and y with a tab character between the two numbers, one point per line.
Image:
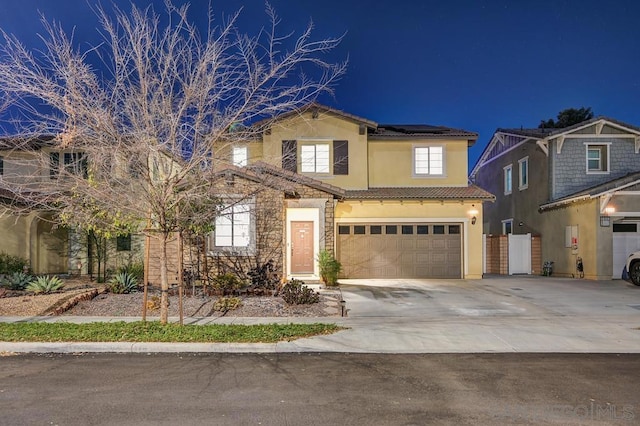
605	220
473	212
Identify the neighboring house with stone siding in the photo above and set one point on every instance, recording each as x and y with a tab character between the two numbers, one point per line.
578	188
390	201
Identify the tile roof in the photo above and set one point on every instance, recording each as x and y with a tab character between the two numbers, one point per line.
260	172
386	131
595	191
319	107
32	143
261	167
471	192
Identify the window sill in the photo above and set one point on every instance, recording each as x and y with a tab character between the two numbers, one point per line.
597	172
231	252
422	176
318	175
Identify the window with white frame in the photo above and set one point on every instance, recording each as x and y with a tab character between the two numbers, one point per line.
233	227
597	158
523	167
428	160
240	156
314	158
508	179
507	226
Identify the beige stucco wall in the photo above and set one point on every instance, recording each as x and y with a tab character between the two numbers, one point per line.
15	235
425	212
391	163
327	128
594	241
37	241
223	152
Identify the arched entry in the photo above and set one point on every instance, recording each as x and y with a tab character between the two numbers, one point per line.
49	247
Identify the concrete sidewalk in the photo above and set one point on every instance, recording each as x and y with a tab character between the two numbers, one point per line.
392	335
434	316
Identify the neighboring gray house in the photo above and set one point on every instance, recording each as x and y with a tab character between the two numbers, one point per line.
578	188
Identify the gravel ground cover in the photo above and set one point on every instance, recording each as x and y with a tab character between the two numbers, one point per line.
107	304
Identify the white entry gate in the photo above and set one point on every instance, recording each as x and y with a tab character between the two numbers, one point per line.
519	254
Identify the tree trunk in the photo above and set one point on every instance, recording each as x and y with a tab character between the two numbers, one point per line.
164	281
145	295
180	276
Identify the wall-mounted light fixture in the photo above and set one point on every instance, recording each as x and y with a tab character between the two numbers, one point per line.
605	220
473	212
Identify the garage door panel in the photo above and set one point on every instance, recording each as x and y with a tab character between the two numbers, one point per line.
423	243
408	255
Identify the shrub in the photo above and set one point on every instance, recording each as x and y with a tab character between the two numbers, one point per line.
264	276
123	283
227	283
16	281
329	268
10	264
135	268
153	304
294	292
226	304
45	284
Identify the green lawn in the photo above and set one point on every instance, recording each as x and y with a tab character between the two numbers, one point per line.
156	332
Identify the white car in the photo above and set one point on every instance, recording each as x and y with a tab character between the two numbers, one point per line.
632	268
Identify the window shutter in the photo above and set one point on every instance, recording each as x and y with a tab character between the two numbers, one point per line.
340	157
289	156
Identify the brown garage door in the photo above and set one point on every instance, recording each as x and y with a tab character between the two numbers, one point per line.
400	250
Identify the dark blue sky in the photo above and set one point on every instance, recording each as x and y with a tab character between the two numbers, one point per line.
472	64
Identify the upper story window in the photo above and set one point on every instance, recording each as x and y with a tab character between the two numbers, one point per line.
428	160
240	156
314	158
508	179
523	166
74	163
233	227
597	158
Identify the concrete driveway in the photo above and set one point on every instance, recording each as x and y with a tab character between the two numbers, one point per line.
497	314
515	296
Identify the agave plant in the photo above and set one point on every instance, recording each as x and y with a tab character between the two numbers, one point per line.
45	284
16	281
123	283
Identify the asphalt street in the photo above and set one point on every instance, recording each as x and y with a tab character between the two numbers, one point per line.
319	389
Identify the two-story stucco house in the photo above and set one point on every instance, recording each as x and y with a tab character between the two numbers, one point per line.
391	201
33	233
577	188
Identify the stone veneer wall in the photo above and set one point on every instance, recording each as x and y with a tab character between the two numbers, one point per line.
270	235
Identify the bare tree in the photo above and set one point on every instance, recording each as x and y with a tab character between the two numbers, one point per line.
134	119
